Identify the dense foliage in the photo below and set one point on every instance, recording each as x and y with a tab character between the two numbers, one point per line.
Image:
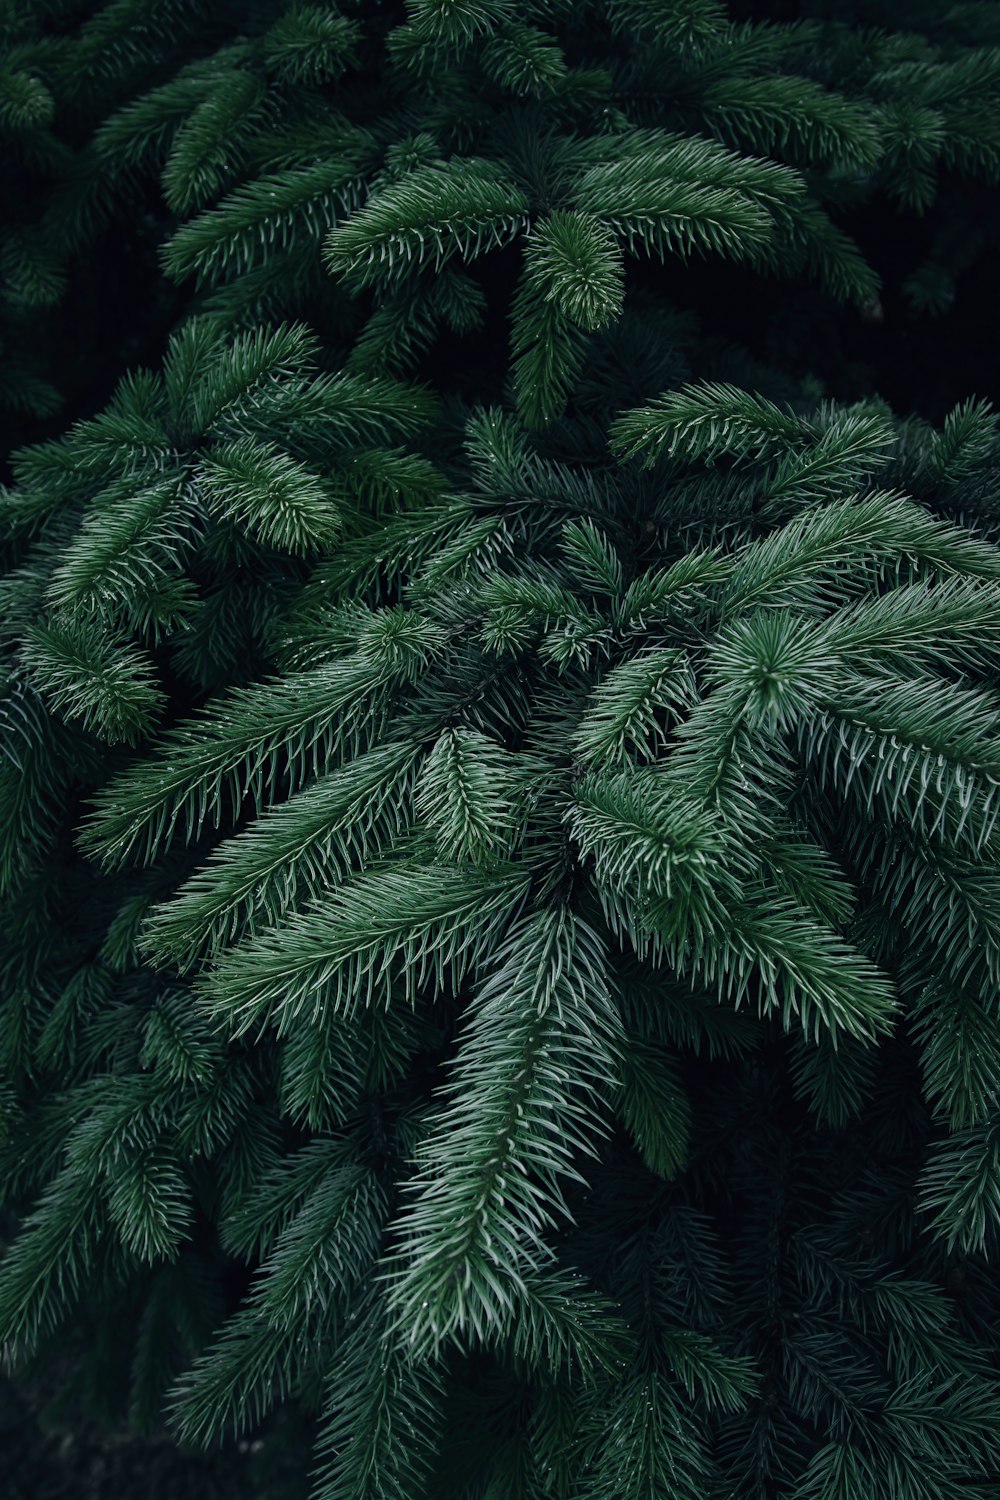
501	775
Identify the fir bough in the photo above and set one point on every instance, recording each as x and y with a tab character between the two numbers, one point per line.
501	918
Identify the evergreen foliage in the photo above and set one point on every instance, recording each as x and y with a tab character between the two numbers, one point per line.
500	791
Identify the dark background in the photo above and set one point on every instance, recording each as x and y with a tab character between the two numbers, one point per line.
118	313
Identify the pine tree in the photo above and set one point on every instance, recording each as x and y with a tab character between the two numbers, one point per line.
500	789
